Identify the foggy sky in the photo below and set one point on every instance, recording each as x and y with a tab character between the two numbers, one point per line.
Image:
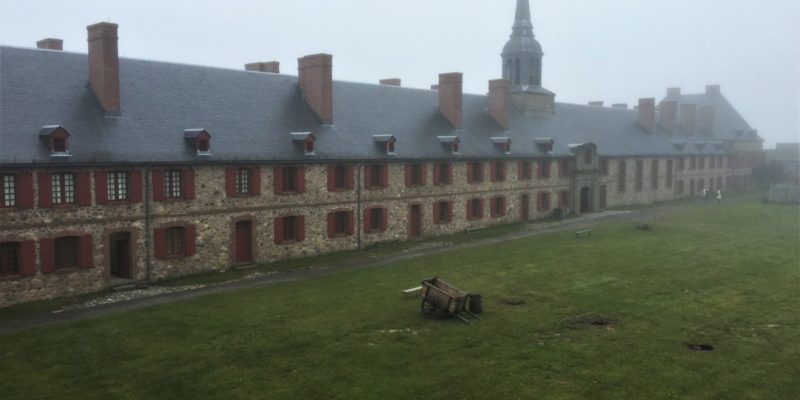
611	50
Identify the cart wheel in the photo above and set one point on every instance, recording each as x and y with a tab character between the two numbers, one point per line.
428	310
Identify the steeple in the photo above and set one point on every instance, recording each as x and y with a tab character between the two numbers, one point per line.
522	55
522	20
522	65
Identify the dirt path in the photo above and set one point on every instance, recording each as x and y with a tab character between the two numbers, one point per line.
81	313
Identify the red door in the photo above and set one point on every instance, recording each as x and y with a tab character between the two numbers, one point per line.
524	207
244	242
415	221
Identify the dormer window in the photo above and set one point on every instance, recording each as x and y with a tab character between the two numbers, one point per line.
306	140
388	143
451	142
503	143
200	139
545	144
57	139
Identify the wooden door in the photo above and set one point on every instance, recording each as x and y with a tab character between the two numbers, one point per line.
415	221
525	207
603	197
120	257
244	242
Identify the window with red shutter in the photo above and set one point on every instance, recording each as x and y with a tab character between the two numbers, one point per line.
498	205
175	241
339	224
442	212
173	184
442	174
376	176
375	220
415	175
340	178
474	209
524	170
66	252
86	252
475	172
543	168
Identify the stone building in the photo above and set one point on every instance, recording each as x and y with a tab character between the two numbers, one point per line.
117	170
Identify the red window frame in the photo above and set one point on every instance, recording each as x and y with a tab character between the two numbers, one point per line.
543	201
475	173
498	171
524	171
543	169
442	212
443	174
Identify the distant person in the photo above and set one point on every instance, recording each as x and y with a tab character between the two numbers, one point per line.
719	196
705	194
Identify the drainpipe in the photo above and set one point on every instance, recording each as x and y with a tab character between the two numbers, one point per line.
148	188
358	204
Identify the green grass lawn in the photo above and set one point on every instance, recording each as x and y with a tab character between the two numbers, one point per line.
726	275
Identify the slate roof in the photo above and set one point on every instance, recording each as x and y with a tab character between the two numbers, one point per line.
250	117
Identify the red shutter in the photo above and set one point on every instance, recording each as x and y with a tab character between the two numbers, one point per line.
331	224
436	217
256	176
301	228
469	172
277	180
86	252
230	182
188	184
385	178
408	175
27	259
47	253
449	173
492	203
350	222
367	219
191	240
83	187
25	190
331	178
160	243
135	187
480	208
158	185
101	187
278	222
301	179
45	190
424	180
368	177
469	209
493	172
449	211
351	177
385	219
436	170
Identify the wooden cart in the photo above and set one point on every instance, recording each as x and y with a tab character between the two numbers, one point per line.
440	298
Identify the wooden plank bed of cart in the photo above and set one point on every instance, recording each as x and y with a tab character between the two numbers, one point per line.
440	298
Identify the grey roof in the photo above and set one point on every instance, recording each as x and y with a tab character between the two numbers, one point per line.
250	117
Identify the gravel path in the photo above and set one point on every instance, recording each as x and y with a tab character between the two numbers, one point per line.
141	298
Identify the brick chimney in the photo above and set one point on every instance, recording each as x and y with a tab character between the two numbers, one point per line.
596	103
50	44
315	78
647	113
673	92
391	82
104	65
689	117
705	119
451	98
500	102
668	117
273	67
713	89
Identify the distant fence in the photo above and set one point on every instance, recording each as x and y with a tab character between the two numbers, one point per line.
784	193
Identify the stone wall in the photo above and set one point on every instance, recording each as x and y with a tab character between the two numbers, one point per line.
214	216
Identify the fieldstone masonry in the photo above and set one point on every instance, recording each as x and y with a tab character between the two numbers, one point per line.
214	215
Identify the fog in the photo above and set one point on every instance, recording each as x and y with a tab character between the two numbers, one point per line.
611	50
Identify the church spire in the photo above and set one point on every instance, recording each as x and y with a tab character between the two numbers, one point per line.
523	13
522	65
